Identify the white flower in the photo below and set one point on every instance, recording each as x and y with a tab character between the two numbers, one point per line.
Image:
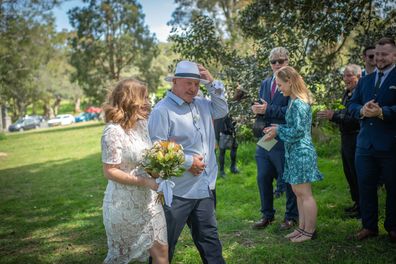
196	118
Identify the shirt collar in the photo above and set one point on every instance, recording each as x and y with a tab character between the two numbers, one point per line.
387	71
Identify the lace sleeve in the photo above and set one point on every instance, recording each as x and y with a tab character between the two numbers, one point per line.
112	145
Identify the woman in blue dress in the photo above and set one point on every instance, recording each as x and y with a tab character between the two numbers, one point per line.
300	155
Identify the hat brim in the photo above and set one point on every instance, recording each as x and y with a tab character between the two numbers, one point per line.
170	79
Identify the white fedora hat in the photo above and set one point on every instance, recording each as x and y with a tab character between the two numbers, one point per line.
187	70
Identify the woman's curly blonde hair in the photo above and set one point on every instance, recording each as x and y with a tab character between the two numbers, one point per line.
127	103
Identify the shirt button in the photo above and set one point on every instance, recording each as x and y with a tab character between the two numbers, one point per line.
371	124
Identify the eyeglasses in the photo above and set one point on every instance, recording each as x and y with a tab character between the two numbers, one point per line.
371	56
280	61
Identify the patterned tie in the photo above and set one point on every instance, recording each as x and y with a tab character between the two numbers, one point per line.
273	89
378	83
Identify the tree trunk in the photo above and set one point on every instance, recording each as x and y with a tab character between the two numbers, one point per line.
21	108
56	105
77	105
48	112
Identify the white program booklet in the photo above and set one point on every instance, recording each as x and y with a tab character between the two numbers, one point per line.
267	145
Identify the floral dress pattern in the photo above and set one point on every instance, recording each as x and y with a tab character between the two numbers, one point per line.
300	155
132	218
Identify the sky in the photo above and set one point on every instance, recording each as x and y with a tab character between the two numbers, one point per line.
157	12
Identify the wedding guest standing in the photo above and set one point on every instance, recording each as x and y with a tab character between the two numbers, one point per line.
369	60
187	119
271	109
349	129
374	103
301	160
135	224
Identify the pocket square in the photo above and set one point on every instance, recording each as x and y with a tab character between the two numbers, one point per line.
392	87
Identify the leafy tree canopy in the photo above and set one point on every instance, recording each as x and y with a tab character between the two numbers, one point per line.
111	40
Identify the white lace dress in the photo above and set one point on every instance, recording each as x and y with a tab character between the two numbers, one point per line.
132	218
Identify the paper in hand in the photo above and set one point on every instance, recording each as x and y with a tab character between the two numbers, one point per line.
267	145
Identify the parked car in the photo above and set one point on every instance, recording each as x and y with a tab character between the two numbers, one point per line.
25	123
84	117
61	120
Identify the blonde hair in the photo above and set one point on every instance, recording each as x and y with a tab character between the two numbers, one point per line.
298	87
127	103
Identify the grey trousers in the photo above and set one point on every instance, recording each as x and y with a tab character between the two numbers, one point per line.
200	214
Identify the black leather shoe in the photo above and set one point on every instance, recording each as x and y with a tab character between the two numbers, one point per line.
287	224
263	223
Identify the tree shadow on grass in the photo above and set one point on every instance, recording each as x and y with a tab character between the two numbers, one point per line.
51	212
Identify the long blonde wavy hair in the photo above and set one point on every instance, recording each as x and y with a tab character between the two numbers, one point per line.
127	103
298	87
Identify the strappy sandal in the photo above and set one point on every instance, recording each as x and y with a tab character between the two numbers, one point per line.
298	231
304	236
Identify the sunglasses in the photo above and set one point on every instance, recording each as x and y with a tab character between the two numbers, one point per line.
280	61
371	56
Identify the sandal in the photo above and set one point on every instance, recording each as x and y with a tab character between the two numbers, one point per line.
295	233
304	236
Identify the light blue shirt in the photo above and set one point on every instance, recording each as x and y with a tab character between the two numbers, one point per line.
386	73
191	125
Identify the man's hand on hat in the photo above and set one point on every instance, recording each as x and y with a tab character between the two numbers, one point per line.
205	74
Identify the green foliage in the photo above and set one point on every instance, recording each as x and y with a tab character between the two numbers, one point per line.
2	136
317	35
374	26
110	40
26	31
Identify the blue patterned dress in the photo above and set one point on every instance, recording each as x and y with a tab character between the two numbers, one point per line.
300	155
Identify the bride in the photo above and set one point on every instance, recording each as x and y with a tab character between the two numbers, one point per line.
135	224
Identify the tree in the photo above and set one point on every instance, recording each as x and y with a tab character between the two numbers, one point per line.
224	14
110	40
54	79
318	34
26	28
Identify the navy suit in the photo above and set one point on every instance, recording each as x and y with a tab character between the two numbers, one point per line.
270	164
376	149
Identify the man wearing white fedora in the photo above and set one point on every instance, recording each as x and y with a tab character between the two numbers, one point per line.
187	119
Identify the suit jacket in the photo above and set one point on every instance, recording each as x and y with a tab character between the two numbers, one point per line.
276	108
347	123
374	132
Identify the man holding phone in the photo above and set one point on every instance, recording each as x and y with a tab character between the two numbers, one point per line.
271	109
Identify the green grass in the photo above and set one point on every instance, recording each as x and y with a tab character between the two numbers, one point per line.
51	191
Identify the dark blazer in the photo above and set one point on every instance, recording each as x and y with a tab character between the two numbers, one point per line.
347	123
276	108
380	134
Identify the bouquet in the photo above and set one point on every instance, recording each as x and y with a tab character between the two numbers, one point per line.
162	161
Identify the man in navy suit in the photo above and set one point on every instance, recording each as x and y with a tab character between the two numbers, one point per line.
374	103
271	109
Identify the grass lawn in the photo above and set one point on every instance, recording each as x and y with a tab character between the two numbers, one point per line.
51	191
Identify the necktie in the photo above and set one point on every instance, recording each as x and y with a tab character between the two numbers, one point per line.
273	89
378	83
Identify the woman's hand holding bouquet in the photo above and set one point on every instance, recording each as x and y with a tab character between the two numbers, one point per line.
164	160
